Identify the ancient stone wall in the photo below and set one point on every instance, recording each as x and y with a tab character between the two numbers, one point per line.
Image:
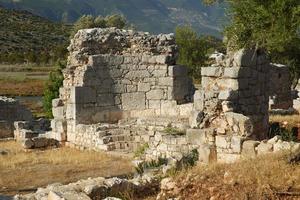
11	111
296	101
234	95
116	74
280	87
123	89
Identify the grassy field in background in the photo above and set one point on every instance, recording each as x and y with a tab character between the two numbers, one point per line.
23	80
21	170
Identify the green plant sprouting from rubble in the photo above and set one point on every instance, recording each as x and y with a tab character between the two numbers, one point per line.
187	161
140	169
140	151
173	131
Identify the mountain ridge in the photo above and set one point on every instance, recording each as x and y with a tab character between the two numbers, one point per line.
155	16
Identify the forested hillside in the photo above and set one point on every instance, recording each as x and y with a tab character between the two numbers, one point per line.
155	16
29	38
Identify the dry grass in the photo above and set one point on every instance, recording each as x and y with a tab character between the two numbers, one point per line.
27	87
292	120
21	170
261	178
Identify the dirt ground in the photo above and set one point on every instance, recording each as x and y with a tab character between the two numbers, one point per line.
22	171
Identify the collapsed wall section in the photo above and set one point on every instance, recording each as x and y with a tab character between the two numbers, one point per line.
237	92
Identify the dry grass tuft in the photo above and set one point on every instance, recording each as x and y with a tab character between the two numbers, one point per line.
22	170
261	178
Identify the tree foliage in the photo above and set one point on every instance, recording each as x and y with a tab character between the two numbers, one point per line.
89	21
52	87
272	25
194	49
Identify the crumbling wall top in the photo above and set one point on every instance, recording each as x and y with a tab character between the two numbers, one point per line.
119	42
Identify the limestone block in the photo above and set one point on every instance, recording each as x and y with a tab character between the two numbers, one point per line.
154	104
245	58
236	143
211	71
161	59
264	147
196	118
237	72
57	103
230	84
244	123
119	88
58	112
207	154
143	87
155	94
223	142
228	157
185	109
169	108
159	73
105	100
134	101
228	95
82	95
137	74
71	111
286	146
167	81
249	148
275	139
177	70
197	136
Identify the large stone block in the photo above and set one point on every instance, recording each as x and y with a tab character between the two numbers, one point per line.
207	154
264	148
197	136
105	100
177	70
82	95
245	58
223	142
58	112
143	87
134	101
156	94
249	148
211	71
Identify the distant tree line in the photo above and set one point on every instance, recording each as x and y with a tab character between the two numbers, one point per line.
54	51
47	56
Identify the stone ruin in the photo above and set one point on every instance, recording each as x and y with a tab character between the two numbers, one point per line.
296	101
11	111
280	87
123	89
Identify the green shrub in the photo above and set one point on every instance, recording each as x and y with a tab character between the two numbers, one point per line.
52	88
141	150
